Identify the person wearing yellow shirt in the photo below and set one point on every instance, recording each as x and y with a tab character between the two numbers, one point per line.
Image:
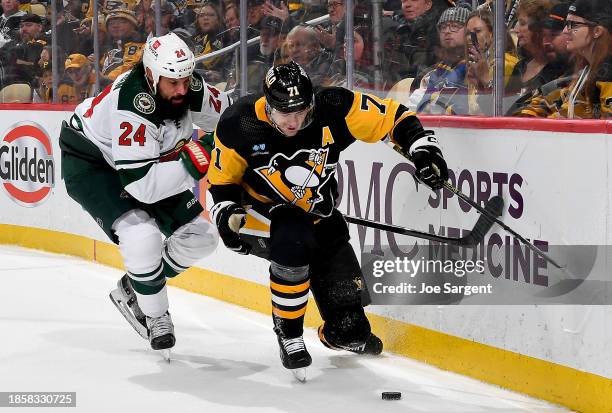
79	82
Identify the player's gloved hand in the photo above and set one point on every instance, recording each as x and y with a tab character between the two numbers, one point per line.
430	165
229	217
195	159
207	141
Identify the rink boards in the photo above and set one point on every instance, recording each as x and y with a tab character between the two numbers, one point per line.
554	177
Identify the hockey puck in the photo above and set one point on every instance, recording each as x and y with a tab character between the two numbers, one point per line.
391	395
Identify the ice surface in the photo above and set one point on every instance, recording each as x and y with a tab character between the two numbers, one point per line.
60	332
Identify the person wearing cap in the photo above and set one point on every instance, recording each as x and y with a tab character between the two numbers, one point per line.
443	89
9	21
124	44
273	33
20	57
553	37
267	54
588	95
31	28
79	82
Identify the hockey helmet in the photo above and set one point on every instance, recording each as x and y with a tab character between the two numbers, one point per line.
288	89
167	56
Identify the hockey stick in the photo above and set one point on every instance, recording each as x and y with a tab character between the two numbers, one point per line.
493	207
484	212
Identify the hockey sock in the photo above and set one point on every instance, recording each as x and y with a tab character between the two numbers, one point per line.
289	300
148	283
170	267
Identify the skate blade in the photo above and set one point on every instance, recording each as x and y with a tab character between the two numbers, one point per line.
299	374
165	353
117	299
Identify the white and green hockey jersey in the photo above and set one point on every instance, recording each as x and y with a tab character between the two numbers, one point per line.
137	139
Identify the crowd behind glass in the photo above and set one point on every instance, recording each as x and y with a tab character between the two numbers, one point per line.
436	56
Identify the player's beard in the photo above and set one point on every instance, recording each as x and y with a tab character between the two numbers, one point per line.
172	110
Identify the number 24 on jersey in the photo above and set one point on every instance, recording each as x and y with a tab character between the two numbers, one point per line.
126	138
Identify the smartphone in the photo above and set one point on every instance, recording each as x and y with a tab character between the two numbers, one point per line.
474	39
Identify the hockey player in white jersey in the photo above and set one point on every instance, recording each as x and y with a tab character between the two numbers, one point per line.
129	160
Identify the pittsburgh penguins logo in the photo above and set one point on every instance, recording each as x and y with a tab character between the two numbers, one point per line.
297	178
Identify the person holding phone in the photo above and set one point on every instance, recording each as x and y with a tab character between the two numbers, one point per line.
480	54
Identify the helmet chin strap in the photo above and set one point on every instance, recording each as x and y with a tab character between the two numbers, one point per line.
150	81
307	121
269	115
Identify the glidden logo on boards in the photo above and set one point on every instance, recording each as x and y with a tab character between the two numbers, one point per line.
27	170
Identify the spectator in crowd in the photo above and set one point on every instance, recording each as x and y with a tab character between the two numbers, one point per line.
86	38
480	61
107	6
410	45
43	85
554	39
20	57
9	21
79	82
45	56
125	44
146	21
304	48
280	12
273	33
534	69
67	26
185	11
326	33
255	11
231	18
267	54
361	76
589	94
75	9
443	89
169	18
207	38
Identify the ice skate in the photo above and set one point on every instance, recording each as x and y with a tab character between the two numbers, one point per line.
373	345
124	299
294	356
161	333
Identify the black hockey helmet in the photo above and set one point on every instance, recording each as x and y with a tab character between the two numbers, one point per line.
287	89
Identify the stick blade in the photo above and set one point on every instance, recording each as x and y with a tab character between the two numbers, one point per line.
495	207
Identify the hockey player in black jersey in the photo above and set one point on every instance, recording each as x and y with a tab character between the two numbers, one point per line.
272	178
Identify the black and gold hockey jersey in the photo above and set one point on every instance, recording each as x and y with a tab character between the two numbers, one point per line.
251	158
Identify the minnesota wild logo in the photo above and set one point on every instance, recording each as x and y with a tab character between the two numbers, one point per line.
144	103
196	84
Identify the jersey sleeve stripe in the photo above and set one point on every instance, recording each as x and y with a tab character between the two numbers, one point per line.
128	176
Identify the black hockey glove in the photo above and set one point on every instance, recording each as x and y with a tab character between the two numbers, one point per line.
427	157
229	217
